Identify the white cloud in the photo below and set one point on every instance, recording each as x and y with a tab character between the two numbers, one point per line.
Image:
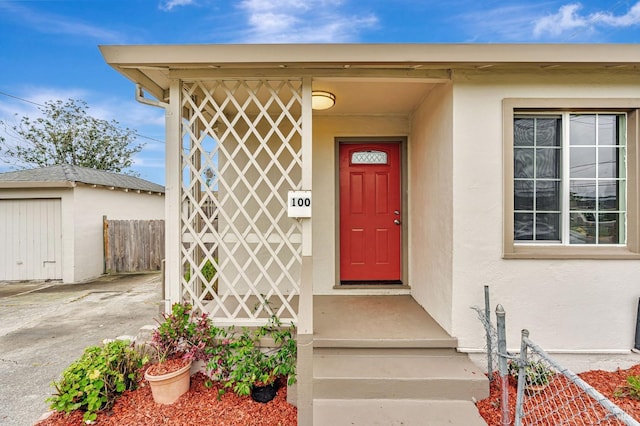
50	23
505	23
302	21
167	5
568	18
632	17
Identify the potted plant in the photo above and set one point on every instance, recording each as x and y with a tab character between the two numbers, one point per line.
537	375
251	363
178	340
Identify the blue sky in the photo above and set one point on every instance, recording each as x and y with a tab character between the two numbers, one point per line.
49	48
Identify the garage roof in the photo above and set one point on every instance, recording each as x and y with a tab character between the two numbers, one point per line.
67	175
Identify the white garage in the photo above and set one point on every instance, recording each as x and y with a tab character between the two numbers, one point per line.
31	247
51	219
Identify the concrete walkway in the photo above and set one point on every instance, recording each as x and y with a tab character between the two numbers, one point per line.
46	326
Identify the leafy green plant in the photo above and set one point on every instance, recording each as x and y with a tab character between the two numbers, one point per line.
94	381
631	389
536	373
241	361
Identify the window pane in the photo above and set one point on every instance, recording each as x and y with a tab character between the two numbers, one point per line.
523	163
523	195
608	162
582	228
547	196
608	228
582	194
592	159
547	163
582	130
548	226
523	132
608	129
582	162
523	226
548	131
608	198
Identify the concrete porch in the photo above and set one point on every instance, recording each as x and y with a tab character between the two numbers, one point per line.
382	360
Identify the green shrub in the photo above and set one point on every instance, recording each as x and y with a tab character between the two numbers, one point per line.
241	363
94	381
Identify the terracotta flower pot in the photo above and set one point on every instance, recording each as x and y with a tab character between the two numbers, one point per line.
167	388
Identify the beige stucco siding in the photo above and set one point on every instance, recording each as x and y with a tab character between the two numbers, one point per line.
325	234
430	204
577	305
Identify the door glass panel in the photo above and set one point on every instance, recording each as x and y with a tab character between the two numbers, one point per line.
369	157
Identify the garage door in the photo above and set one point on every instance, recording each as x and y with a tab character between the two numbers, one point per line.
30	239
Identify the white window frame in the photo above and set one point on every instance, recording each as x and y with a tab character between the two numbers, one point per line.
555	249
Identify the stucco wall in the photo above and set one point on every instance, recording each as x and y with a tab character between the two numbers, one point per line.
430	204
575	306
90	204
325	236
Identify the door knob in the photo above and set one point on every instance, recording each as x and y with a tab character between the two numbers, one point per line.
397	222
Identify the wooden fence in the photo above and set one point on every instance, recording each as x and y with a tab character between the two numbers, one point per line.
133	245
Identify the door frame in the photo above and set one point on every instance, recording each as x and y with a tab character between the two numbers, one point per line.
404	244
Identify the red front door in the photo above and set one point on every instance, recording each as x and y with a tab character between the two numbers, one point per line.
370	216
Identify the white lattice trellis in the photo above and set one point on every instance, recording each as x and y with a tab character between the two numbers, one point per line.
241	154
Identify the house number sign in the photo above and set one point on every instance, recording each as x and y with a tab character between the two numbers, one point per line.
299	204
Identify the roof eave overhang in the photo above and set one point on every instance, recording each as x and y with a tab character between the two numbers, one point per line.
152	66
36	184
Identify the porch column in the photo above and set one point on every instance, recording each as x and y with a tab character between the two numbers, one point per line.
305	306
172	197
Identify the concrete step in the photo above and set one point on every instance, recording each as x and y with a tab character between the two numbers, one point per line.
376	321
414	374
372	412
429	342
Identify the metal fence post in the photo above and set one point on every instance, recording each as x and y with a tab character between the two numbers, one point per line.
502	364
522	367
487	315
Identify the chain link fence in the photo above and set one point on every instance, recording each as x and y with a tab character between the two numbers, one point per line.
547	393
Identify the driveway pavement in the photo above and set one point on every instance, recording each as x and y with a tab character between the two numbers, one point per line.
46	326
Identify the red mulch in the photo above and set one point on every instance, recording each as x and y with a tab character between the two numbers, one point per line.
166	367
604	382
199	406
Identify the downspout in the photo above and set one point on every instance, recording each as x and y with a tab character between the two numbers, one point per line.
146	101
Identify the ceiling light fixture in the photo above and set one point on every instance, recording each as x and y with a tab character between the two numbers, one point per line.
322	100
